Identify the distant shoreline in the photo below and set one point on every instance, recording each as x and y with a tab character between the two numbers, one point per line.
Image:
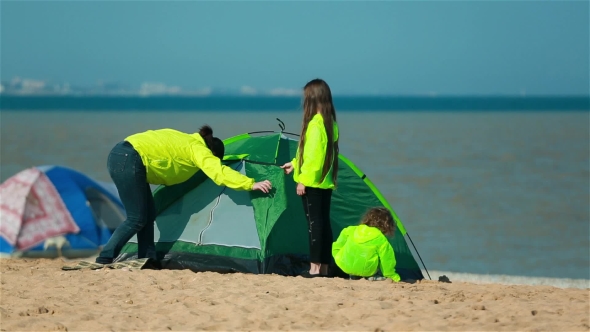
503	279
292	103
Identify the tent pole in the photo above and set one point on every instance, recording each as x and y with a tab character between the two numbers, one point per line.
408	234
281	125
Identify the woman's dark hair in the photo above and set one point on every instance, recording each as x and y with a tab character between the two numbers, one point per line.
213	143
380	218
317	98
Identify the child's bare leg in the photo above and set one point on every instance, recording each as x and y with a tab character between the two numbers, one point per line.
314	268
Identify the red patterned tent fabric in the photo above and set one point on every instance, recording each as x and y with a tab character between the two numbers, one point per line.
31	210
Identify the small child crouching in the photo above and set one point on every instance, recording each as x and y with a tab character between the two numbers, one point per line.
363	250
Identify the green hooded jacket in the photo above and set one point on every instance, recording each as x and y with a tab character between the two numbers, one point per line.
171	157
314	153
361	250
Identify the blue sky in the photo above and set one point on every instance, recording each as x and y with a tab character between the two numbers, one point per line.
393	47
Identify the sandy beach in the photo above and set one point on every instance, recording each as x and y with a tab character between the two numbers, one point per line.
38	296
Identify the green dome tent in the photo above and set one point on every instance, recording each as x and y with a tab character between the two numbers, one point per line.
204	227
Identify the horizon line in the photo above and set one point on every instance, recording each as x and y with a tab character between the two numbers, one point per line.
290	96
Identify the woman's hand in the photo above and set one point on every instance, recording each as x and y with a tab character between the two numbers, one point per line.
288	168
300	189
263	186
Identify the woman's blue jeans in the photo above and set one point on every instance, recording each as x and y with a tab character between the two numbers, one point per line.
129	175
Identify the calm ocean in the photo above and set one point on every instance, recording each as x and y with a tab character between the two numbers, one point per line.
255	103
483	185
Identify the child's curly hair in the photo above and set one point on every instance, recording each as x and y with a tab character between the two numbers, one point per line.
380	218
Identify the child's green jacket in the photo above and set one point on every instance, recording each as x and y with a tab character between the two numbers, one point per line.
360	250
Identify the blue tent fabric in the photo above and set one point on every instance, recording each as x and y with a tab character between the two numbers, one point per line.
72	187
5	247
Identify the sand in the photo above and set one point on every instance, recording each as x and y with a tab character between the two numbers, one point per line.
38	296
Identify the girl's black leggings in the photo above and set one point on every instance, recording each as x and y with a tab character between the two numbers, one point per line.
316	204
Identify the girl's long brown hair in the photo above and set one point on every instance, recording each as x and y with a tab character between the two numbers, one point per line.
317	98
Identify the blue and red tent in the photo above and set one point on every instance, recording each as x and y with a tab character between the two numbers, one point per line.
50	210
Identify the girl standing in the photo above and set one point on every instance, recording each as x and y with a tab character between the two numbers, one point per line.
315	169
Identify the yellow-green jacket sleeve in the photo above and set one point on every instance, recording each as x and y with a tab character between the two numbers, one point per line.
387	261
314	154
336	246
219	173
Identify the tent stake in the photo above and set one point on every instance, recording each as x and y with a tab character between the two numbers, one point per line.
408	234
